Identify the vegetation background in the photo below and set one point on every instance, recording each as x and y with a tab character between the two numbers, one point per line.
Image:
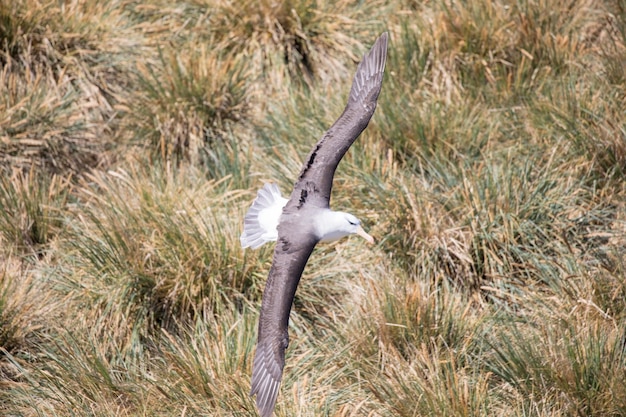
134	135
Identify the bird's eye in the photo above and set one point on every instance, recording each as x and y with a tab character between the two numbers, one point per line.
352	223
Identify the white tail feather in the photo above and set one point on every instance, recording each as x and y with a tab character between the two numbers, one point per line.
261	221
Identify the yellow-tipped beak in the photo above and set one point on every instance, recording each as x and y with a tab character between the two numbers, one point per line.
364	234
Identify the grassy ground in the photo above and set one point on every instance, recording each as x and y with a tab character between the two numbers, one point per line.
133	137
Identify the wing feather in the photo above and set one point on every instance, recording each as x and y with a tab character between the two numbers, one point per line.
316	177
287	266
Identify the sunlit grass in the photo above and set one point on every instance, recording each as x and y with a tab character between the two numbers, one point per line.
188	103
156	248
579	364
31	209
133	138
299	39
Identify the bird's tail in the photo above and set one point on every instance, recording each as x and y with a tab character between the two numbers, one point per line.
261	221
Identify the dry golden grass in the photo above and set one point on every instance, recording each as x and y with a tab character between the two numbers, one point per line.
133	136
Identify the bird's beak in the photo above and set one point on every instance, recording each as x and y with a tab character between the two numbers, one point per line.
364	234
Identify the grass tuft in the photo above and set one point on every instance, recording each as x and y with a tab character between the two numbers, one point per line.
576	364
157	247
189	102
31	209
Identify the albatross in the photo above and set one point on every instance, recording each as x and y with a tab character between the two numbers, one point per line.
303	220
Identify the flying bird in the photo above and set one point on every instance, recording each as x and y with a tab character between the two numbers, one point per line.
303	220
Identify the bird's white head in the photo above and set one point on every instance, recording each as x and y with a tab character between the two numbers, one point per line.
334	225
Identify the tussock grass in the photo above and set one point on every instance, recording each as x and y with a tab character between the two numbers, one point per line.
133	137
577	365
297	39
31	209
22	306
211	350
167	249
187	104
61	66
41	124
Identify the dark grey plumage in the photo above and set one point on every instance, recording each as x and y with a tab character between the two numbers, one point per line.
297	233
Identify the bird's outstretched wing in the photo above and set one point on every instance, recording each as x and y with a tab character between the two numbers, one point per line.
290	258
315	181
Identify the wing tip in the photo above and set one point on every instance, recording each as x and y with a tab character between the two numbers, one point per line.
265	384
368	78
379	51
383	38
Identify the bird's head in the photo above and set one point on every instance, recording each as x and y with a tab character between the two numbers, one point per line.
354	227
337	224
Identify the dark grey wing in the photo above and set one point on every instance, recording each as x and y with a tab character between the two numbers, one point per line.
316	178
291	254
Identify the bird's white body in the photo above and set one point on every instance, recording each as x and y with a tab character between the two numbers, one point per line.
261	221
